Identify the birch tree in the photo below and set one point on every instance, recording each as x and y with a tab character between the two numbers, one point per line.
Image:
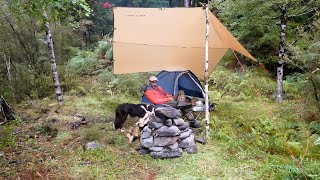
54	70
283	24
186	3
55	11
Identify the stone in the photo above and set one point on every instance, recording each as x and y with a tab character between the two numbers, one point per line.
185	134
138	147
17	131
85	163
146	132
79	117
154	125
168	122
154	118
156	148
167	112
178	121
165	141
168	131
15	162
183	126
200	140
53	120
187	142
45	110
192	149
144	151
166	154
2	154
146	142
77	124
93	145
80	121
186	129
173	146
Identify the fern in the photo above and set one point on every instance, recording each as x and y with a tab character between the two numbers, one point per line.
83	64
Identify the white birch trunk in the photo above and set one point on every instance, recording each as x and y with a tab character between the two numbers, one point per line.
8	66
54	70
283	22
186	3
207	74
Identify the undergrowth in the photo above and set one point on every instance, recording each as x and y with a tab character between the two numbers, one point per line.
249	126
252	137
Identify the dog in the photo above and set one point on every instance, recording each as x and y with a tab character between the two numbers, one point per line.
134	110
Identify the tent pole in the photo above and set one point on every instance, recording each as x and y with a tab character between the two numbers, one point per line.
207	74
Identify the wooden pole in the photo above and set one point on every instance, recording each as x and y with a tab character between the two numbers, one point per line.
207	74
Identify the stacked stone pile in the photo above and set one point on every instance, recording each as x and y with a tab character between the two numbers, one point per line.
167	135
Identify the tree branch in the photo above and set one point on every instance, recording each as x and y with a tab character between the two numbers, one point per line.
5	16
19	38
304	13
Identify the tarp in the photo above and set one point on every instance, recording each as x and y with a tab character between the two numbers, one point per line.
172	39
172	82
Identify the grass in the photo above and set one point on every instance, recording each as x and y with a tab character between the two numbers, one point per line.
247	142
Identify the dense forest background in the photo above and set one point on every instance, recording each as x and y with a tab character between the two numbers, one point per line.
78	26
253	136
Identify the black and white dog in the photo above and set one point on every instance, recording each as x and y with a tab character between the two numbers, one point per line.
134	110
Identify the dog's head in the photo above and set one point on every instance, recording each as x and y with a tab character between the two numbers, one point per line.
148	108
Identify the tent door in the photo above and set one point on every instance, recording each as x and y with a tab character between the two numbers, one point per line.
176	83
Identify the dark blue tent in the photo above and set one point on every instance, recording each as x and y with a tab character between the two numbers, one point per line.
174	81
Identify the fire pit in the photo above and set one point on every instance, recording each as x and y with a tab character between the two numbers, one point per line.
167	135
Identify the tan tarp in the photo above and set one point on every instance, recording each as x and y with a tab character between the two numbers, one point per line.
172	39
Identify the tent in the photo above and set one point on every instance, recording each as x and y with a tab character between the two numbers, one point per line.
174	81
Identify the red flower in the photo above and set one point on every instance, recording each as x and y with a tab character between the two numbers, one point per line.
106	5
261	65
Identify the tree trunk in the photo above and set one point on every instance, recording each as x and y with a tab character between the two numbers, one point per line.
186	3
283	19
6	113
54	70
170	3
8	66
207	74
315	92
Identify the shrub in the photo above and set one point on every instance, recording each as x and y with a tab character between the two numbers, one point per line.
85	63
7	137
104	49
130	84
237	84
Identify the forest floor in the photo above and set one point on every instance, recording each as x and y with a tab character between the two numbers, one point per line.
44	145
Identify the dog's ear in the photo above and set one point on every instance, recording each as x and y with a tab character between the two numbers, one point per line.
150	108
143	107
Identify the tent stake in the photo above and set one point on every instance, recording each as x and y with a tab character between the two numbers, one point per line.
207	74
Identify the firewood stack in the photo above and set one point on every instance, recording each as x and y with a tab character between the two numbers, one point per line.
167	135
